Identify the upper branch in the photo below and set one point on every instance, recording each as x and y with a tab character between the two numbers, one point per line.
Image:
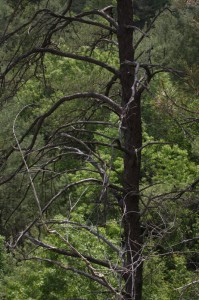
103	14
85	21
61	54
39	121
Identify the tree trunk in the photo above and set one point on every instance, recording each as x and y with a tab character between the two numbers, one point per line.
132	140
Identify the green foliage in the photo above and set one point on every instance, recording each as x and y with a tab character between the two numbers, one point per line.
2	256
43	280
173	32
166	114
164	279
169	166
145	10
98	4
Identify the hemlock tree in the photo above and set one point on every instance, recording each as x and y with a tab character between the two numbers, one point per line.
66	146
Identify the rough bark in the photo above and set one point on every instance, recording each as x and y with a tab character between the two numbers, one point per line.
132	140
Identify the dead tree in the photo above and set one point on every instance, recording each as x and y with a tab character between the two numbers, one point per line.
133	78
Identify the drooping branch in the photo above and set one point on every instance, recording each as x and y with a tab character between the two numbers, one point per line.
149	67
89	229
85	21
37	124
64	252
39	121
93	271
57	195
7	36
66	268
103	14
59	53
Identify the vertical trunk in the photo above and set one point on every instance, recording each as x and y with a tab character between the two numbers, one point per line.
132	140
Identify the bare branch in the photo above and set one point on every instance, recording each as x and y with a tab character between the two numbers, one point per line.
52	200
79	19
96	233
67	268
64	252
39	121
188	285
60	54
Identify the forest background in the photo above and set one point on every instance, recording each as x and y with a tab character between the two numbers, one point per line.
62	202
